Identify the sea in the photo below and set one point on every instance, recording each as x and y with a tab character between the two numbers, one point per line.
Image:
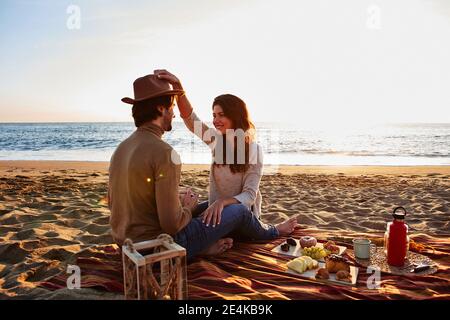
283	144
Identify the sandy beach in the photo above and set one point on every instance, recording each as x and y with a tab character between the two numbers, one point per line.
50	210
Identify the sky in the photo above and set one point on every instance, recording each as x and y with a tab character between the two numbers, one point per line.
313	63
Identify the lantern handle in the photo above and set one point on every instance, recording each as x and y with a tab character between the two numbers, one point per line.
399	215
129	244
165	237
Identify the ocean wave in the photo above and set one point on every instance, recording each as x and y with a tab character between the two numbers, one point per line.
360	153
72	140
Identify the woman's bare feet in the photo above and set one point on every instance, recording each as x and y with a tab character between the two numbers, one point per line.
287	227
219	247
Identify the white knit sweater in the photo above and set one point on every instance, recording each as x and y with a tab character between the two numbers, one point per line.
244	187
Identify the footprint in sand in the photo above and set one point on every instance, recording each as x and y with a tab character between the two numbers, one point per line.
433	174
76	214
55	207
309	220
9	221
334	225
96	239
51	234
441	208
96	229
362	212
4	230
102	221
31	244
25	234
12	253
4	211
58	242
374	225
22	177
48	217
331	209
40	271
60	254
36	205
77	224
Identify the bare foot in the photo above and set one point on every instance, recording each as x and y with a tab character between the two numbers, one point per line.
287	227
219	247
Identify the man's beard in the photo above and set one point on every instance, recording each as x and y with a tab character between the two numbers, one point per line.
167	124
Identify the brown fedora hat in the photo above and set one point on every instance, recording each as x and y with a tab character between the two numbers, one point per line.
150	86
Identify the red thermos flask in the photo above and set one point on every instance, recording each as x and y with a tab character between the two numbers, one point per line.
397	238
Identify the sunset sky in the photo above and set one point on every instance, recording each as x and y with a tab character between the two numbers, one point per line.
309	62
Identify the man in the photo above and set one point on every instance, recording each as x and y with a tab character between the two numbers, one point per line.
141	170
144	176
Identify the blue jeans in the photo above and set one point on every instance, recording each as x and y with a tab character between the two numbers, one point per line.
237	222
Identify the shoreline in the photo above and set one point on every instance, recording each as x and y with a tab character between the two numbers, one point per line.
8	165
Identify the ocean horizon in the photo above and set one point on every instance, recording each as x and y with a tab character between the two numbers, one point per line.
283	143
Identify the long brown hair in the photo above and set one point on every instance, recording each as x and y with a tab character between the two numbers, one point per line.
236	110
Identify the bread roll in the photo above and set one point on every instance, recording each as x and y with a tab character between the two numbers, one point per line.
335	263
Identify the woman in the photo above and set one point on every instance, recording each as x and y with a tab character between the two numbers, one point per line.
237	165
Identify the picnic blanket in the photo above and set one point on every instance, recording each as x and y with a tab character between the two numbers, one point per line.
252	271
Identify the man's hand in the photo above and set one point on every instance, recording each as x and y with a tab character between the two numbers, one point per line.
189	199
166	75
181	193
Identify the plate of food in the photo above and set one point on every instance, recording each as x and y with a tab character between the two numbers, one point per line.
336	269
308	246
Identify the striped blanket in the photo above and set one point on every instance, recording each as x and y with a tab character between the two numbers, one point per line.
252	271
